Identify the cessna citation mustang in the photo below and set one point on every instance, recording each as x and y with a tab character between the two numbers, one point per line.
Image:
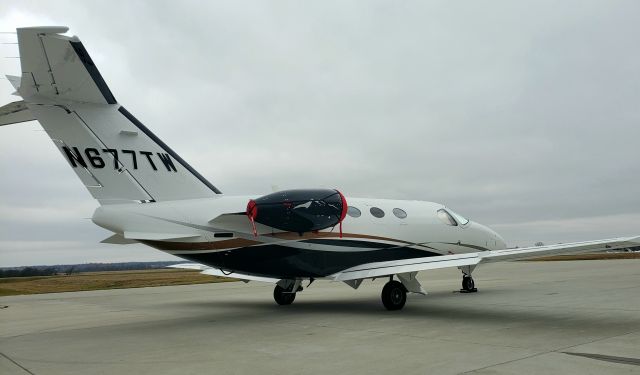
149	194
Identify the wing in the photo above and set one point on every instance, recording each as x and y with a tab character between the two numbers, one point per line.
206	270
378	269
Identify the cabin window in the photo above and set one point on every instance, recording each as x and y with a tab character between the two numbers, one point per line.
376	212
400	213
353	212
223	235
446	217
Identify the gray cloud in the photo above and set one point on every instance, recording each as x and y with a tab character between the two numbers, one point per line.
520	115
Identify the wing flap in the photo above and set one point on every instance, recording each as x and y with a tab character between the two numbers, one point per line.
378	269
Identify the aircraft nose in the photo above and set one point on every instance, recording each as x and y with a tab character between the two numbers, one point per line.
501	243
496	241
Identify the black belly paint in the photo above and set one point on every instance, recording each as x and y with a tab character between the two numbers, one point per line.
279	261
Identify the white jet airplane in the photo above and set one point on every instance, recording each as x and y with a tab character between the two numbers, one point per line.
149	194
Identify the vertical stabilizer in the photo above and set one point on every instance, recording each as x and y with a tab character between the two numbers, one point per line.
116	157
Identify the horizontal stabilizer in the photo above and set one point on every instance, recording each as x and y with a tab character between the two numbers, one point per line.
15	82
14	113
241	276
189	266
58	68
158	236
118	239
235	221
206	270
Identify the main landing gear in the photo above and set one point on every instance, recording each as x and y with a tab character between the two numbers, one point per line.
285	291
283	296
394	295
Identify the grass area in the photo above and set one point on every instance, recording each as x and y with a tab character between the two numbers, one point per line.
138	279
599	256
103	280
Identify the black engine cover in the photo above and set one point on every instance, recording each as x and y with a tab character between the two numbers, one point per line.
301	210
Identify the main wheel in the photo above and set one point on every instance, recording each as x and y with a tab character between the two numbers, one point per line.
282	297
468	284
394	295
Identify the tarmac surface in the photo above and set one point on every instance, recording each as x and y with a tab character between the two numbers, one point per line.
580	317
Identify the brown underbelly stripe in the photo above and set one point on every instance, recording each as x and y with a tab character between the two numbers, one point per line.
240	242
214	245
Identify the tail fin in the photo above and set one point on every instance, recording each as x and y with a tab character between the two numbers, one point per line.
116	157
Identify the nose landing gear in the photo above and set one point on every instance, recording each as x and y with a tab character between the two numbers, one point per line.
468	285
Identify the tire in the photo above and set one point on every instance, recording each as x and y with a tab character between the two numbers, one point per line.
394	295
281	297
468	284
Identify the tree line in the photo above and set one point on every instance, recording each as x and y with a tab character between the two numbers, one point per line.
68	269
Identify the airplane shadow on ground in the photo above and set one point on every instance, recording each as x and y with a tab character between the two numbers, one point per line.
438	307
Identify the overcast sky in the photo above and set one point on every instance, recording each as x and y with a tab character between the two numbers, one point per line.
522	115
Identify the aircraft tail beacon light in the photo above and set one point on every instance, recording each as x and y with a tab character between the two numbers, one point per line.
299	211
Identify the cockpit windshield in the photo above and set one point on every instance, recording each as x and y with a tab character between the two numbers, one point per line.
460	219
451	218
446	217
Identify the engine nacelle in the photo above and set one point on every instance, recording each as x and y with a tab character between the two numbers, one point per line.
300	211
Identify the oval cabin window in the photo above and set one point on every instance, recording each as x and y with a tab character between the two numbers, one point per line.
353	212
376	212
400	213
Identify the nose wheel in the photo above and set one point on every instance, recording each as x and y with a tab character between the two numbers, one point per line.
394	295
468	285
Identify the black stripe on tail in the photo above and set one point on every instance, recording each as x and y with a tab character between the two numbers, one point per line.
93	72
166	149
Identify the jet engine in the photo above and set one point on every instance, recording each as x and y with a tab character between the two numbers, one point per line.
299	211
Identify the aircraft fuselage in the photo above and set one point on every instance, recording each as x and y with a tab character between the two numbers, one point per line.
203	231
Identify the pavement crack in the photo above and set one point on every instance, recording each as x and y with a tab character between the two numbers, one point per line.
608	358
16	363
557	350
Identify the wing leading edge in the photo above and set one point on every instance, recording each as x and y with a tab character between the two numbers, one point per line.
379	269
